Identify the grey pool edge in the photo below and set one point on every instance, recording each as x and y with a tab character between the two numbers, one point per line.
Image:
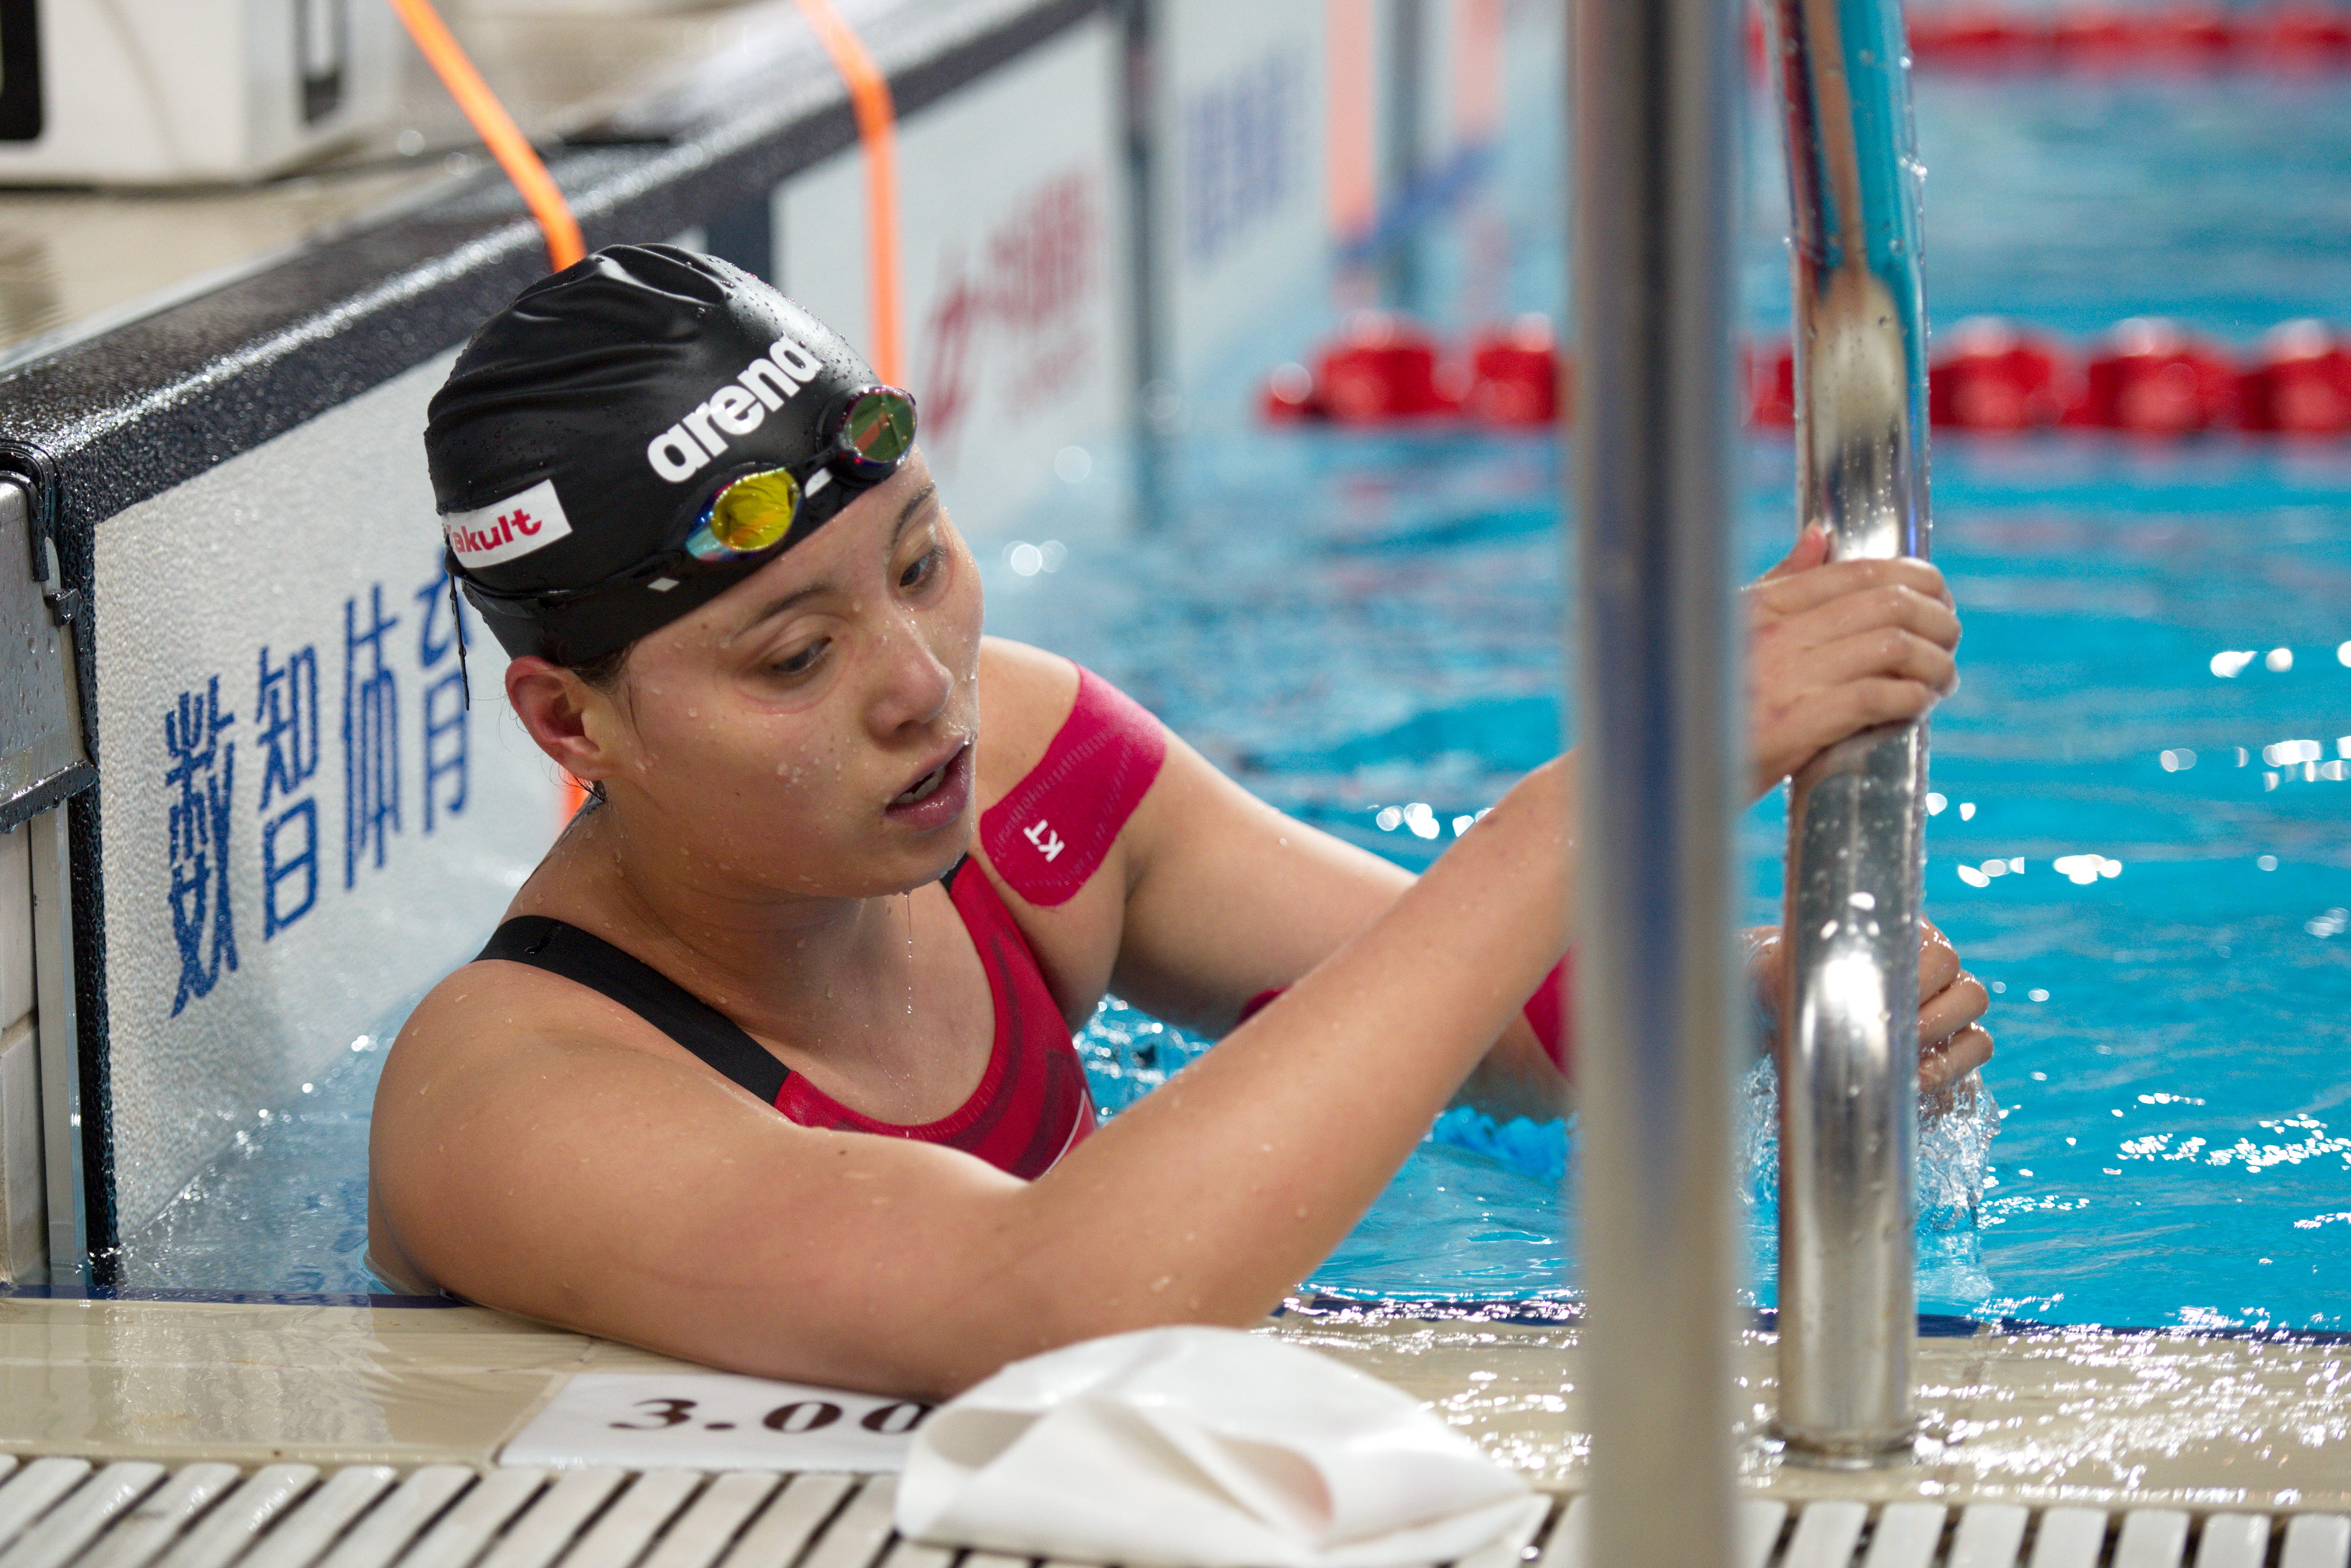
1517	1311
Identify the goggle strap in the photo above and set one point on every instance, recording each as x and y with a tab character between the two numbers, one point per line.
457	613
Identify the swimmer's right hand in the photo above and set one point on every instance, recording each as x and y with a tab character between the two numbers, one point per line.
1837	647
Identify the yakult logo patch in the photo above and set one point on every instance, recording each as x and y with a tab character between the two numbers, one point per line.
531	520
735	408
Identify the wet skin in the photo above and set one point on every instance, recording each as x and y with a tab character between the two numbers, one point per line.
787	770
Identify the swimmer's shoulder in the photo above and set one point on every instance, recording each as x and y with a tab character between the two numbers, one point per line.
490	1012
1025	697
503	1081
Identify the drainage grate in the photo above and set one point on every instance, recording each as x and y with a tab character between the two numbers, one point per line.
2000	1535
70	1514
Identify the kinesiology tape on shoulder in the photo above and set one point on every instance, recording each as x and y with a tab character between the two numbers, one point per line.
1052	834
1546	1013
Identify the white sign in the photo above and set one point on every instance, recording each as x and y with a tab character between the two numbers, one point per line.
711	1421
1242	204
308	823
1013	269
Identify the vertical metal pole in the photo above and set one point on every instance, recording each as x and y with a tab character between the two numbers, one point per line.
1654	96
1856	817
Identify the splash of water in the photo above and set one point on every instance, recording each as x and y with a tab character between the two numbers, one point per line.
1955	1139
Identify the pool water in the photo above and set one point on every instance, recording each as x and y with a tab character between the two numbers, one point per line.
1354	623
1357	622
2173	1145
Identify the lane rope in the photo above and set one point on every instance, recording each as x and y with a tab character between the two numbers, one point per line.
877	133
2145	376
497	129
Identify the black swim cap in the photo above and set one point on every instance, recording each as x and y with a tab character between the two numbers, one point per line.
579	448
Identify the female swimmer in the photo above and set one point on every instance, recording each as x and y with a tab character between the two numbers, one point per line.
814	884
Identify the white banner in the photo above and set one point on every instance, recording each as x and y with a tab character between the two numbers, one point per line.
1012	239
306	825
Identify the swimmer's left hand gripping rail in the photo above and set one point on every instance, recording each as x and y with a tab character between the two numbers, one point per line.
46	759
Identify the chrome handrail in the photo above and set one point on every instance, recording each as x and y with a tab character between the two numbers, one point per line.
1856	816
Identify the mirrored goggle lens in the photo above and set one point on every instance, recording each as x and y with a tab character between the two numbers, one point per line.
878	431
751	514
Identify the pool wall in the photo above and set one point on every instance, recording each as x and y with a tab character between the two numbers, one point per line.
309	821
298	823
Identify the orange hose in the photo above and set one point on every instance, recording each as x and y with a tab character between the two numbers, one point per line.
497	129
877	129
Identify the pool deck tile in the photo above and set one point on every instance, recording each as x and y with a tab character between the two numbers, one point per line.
2072	1416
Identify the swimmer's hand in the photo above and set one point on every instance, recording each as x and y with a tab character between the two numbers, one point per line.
1838	647
1952	1041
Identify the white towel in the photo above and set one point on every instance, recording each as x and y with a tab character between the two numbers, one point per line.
1202	1447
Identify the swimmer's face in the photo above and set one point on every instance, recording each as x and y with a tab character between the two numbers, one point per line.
811	729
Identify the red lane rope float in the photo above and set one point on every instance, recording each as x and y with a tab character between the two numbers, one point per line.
1383	367
2302	385
877	133
2144	376
1987	36
497	129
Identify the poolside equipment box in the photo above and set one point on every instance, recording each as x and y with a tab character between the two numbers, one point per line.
162	92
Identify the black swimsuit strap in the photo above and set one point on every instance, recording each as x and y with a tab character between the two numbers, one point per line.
575	955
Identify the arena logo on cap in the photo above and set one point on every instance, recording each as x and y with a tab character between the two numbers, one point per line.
529	521
735	408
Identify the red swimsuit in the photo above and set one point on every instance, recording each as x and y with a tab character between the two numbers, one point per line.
1045	839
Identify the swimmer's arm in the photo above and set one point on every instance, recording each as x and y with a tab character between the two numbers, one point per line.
1227	897
1209	896
540	1170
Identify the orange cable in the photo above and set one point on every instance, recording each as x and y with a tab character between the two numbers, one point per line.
877	129
497	129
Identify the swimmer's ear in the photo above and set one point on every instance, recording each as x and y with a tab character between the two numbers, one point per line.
553	704
1812	549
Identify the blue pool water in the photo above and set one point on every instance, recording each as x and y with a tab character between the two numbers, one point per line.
1349	622
1353	621
2180	1021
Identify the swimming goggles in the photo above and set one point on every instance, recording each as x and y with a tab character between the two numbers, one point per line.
755	512
759	514
753	517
